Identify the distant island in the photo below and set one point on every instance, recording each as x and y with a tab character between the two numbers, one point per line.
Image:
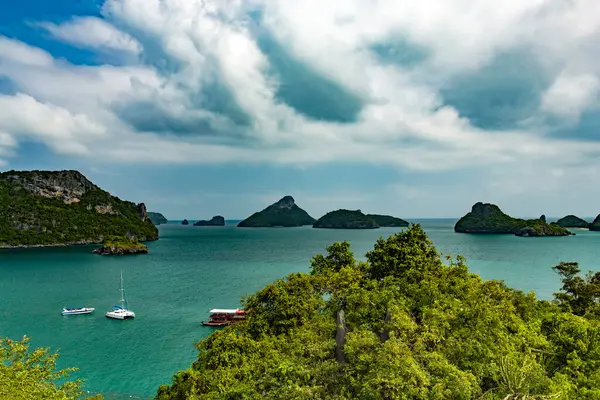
157	218
595	225
284	213
355	219
59	208
488	218
214	221
121	246
185	222
571	221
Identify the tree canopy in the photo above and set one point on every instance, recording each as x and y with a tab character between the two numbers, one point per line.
403	325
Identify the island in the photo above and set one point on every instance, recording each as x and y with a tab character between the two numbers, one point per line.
214	221
486	218
157	218
388	221
346	219
60	208
185	222
595	225
284	213
572	221
116	245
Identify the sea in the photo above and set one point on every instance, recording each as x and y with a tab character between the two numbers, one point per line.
193	269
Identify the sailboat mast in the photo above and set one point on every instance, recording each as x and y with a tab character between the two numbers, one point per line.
122	291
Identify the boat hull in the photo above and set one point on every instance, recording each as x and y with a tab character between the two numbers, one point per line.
77	311
211	323
121	314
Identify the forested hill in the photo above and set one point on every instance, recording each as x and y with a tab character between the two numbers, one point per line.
64	207
403	325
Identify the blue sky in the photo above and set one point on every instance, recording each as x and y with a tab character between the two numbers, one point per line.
200	108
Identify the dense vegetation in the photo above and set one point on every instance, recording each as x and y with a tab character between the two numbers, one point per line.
284	213
31	213
157	218
488	218
388	220
403	325
32	375
595	225
572	221
346	219
121	245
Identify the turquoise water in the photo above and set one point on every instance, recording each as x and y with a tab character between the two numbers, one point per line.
193	269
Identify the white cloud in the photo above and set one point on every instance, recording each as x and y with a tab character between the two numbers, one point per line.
187	47
570	95
94	33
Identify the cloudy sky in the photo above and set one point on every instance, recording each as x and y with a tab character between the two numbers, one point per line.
413	108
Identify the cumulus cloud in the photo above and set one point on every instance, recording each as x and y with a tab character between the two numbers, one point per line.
93	33
431	85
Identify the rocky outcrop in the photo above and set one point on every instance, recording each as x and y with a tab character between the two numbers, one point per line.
571	221
121	246
157	218
142	212
543	218
388	221
346	219
185	222
57	208
486	218
217	220
284	213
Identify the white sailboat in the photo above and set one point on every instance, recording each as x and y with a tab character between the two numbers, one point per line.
121	311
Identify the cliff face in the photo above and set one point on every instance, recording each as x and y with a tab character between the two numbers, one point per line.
346	219
217	220
49	208
486	218
284	213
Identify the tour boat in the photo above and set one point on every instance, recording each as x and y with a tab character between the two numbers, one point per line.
76	310
223	317
121	311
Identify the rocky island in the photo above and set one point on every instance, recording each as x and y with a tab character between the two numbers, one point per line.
346	219
157	218
284	213
214	221
571	221
59	208
595	225
486	218
388	221
185	222
121	246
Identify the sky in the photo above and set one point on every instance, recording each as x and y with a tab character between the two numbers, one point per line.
206	107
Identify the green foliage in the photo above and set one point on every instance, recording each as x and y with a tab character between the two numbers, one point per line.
27	218
488	218
415	328
124	243
580	295
26	375
595	225
388	220
284	213
346	219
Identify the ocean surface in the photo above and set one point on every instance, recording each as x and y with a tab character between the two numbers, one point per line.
193	269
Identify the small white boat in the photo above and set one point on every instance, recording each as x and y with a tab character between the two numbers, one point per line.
121	311
76	310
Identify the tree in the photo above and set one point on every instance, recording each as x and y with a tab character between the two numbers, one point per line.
32	375
579	295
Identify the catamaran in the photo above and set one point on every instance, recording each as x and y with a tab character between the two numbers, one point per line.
76	310
121	311
224	317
